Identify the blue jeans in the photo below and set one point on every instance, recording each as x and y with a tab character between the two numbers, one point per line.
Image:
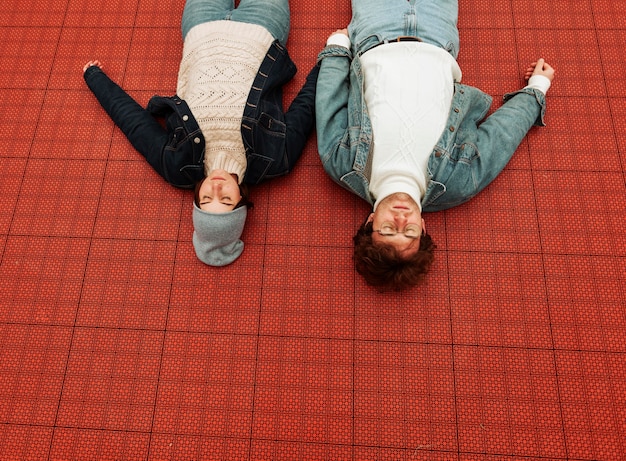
271	14
433	21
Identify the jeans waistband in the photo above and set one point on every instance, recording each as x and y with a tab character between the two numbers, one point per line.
402	38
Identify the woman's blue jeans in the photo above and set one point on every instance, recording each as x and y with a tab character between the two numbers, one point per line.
432	21
271	14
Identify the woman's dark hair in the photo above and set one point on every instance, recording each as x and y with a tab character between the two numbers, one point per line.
382	266
243	190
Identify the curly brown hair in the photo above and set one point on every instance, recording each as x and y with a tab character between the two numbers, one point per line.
382	266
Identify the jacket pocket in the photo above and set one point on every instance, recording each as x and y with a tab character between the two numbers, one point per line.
258	168
466	153
270	124
177	136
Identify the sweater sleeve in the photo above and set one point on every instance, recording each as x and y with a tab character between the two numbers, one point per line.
539	82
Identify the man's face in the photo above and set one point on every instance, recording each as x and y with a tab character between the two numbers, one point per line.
398	211
219	192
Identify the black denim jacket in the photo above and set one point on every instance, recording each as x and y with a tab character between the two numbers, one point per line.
273	139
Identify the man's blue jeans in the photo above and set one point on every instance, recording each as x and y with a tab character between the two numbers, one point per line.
432	21
271	14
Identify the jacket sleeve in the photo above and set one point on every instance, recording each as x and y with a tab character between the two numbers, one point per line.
499	136
300	118
138	125
331	101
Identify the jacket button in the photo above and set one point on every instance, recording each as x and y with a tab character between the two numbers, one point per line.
196	140
185	118
456	109
437	154
451	128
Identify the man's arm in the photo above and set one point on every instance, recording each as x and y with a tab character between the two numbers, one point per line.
502	132
331	101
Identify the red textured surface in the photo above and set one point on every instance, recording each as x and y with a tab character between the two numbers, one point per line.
116	343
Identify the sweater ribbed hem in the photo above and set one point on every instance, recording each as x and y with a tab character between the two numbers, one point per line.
227	161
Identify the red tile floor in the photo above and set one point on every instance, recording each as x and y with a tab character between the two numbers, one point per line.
116	343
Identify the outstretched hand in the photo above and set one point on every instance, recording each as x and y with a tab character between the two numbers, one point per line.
92	63
540	67
340	31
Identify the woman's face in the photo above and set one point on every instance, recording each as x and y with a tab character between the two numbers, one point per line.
219	192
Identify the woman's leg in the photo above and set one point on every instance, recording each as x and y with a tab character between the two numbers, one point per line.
271	14
200	11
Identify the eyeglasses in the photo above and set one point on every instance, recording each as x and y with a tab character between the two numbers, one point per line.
388	229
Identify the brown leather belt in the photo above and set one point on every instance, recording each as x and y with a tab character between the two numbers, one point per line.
403	38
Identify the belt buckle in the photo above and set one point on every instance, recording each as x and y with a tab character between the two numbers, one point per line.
406	38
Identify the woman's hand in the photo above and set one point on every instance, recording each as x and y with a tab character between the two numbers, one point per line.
92	63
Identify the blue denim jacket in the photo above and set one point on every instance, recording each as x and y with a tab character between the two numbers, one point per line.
273	139
469	154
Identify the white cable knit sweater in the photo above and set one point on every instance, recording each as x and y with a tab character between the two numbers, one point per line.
408	91
219	64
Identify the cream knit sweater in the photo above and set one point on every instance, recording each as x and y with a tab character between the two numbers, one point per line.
219	64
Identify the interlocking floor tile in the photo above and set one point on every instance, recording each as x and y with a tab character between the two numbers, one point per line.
501	302
117	343
608	14
588	296
101	13
79	443
206	385
111	380
26	56
589	220
136	203
33	361
25	442
77	45
108	299
41	280
21	111
58	198
508	401
11	178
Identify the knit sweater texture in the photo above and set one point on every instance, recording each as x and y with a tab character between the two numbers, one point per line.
219	64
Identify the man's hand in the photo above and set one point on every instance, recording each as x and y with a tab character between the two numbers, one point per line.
339	38
541	67
339	31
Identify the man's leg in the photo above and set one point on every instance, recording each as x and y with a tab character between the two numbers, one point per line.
201	11
433	21
271	14
374	21
436	23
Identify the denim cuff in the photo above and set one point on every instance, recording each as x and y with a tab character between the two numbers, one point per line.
334	51
539	97
90	70
339	40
